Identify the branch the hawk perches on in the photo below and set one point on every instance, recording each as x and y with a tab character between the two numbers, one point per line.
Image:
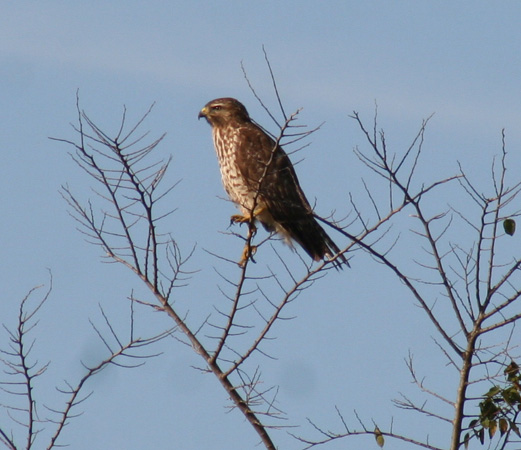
260	179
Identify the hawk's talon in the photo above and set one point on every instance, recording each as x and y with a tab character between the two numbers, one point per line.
247	253
237	218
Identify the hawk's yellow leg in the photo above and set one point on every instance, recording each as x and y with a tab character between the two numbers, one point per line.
240	219
249	250
247	253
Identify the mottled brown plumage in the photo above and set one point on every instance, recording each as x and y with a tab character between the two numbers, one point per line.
260	179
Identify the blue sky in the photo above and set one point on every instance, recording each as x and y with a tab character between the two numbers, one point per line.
352	330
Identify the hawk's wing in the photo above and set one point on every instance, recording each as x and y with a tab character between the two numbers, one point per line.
262	162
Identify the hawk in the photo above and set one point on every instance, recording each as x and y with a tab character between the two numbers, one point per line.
260	179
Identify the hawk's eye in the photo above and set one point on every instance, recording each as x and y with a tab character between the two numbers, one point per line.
216	107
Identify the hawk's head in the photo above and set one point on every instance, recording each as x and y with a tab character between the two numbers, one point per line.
221	111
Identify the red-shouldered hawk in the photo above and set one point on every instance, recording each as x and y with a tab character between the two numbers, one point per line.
260	179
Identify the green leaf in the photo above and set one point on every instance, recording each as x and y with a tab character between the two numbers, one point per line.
466	441
512	371
503	426
489	410
510	226
481	435
494	390
512	396
492	428
379	437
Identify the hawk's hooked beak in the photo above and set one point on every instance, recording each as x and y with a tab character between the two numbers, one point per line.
203	113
